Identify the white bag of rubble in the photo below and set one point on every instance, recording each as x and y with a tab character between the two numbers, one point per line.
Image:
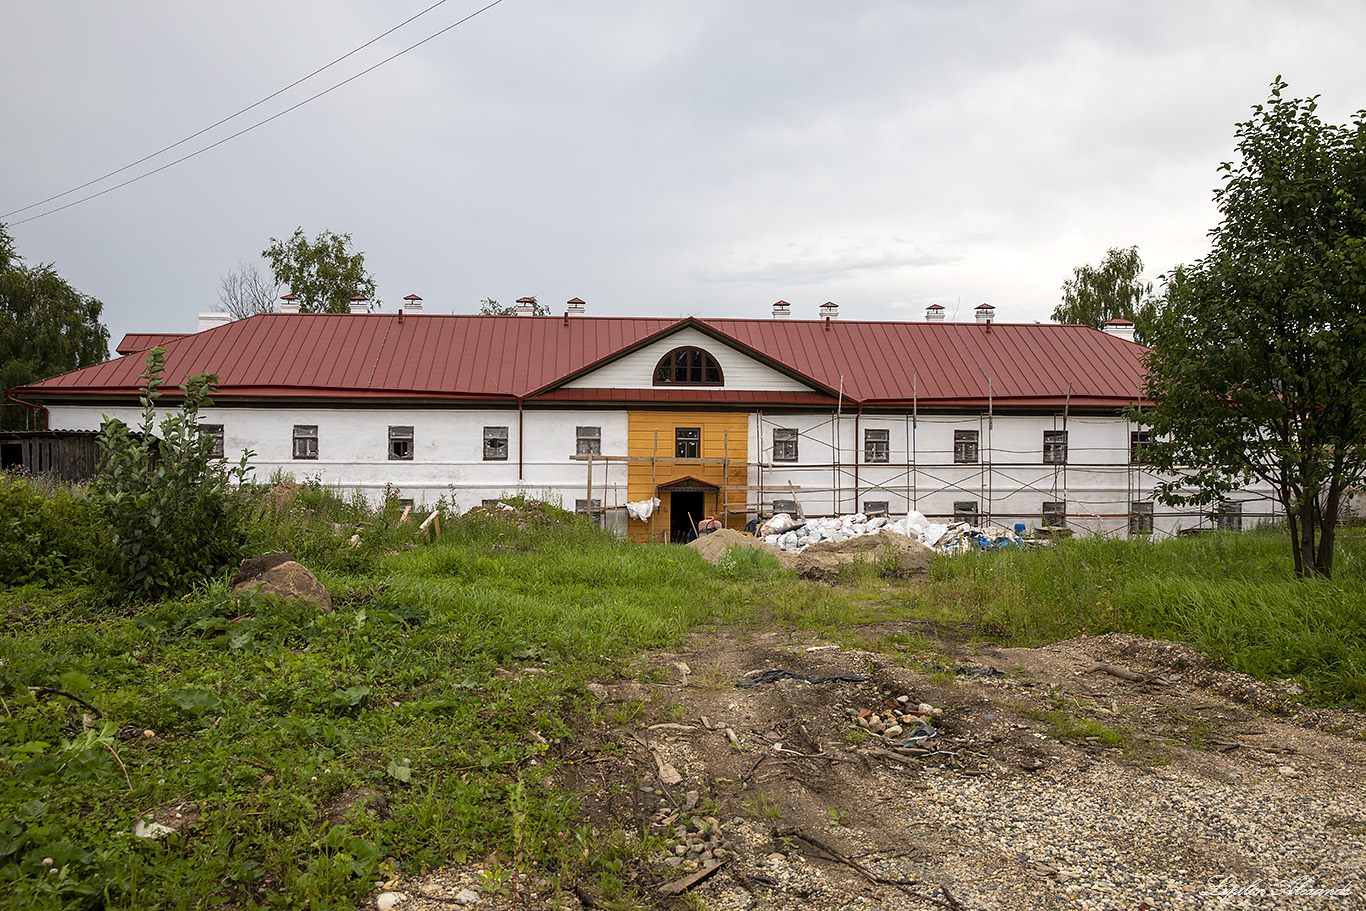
642	509
771	540
879	522
788	541
932	533
778	524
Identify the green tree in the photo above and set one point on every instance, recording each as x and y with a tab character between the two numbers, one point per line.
1113	290
47	327
173	516
323	273
490	307
1259	364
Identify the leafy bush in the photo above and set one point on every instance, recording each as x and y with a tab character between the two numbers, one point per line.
46	531
172	513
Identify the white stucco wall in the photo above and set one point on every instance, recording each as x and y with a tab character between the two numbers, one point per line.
1010	483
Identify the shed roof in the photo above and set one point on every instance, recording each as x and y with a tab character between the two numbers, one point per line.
354	355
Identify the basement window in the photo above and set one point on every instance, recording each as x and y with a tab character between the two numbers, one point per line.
965	511
1054	514
688	442
1055	447
965	447
1230	516
592	510
875	508
876	445
687	367
401	443
787	506
784	445
1141	517
214	434
588	440
305	441
495	444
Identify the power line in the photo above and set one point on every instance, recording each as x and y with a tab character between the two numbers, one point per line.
259	123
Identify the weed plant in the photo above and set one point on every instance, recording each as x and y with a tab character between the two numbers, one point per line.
1233	596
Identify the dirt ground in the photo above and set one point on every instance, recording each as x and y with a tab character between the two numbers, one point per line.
801	806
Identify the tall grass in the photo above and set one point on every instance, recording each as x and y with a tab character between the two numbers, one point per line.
1233	596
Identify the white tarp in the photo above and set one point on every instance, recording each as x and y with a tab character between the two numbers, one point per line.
642	509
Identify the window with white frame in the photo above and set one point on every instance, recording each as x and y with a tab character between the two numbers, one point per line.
214	434
1055	447
876	445
495	444
401	443
305	441
784	444
588	440
965	511
965	447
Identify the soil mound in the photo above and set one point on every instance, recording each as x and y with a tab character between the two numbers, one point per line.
822	560
713	547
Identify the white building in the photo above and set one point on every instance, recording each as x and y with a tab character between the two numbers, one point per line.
1012	423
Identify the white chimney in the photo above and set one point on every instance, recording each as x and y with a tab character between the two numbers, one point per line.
1119	328
360	304
412	304
829	310
575	307
289	303
782	310
217	318
526	306
934	313
986	314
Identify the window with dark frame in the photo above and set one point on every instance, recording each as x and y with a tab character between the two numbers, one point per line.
588	441
401	443
1138	442
965	447
305	441
688	442
1141	517
495	444
688	367
876	445
1055	447
965	511
1054	514
875	508
784	444
1230	516
214	433
787	506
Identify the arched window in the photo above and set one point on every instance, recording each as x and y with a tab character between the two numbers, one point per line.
688	367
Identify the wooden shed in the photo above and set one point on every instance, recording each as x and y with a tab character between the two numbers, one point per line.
71	455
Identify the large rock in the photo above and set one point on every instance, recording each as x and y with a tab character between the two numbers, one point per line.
279	574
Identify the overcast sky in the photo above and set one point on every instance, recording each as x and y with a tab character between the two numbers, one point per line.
653	158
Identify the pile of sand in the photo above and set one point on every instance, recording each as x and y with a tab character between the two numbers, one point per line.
822	560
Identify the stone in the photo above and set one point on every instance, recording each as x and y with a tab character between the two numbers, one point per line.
281	576
466	897
387	901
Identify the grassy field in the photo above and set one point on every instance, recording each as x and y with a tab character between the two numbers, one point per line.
318	752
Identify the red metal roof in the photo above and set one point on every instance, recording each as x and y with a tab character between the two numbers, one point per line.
339	355
134	342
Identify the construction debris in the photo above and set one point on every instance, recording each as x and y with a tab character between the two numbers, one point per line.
786	533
